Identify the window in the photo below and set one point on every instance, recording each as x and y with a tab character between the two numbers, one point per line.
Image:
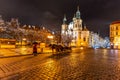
111	28
116	33
84	39
116	27
111	33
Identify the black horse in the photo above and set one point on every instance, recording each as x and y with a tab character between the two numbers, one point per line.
59	48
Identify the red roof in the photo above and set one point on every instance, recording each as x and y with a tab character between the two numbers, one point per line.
116	22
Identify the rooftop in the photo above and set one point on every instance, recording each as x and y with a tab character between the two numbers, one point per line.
116	22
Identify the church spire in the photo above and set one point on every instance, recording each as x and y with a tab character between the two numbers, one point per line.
77	8
78	13
0	17
64	19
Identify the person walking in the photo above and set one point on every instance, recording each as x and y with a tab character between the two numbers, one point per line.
35	49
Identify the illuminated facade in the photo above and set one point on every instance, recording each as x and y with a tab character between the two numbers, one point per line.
74	34
115	34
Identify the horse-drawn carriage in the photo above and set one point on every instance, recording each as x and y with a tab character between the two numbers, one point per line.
59	48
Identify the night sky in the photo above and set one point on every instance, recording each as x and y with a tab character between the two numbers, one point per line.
96	14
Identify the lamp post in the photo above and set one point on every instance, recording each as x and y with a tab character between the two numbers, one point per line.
24	41
50	37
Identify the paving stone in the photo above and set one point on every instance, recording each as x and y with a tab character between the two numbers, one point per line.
86	65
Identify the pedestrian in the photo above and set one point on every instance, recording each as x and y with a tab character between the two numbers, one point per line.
35	49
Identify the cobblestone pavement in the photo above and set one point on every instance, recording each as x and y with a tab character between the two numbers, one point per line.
4	52
89	64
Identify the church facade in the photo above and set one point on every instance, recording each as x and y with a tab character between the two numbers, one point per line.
74	33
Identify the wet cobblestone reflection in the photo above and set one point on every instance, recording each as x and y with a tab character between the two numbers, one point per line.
98	64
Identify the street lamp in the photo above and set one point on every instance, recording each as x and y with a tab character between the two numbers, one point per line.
24	41
50	37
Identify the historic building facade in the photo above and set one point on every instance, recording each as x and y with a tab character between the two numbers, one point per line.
74	34
115	34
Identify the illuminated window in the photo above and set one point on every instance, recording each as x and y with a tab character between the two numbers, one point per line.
116	33
116	27
111	34
84	39
75	25
111	28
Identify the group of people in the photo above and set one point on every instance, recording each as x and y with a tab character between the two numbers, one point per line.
34	49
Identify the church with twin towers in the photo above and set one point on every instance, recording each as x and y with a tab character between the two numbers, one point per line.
74	33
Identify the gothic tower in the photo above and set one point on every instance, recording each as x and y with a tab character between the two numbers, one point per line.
64	25
2	23
64	30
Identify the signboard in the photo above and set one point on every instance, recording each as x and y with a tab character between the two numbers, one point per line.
7	43
42	45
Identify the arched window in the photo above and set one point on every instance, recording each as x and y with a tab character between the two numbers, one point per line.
84	39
